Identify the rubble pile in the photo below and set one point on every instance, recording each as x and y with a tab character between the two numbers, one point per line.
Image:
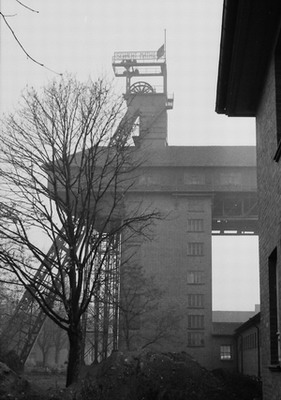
152	376
137	376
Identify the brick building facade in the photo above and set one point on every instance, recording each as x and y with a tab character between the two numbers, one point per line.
249	85
191	186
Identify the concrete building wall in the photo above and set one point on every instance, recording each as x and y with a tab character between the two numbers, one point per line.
269	192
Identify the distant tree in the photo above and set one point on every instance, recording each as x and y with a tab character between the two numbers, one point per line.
10	292
51	338
144	317
59	341
66	171
44	340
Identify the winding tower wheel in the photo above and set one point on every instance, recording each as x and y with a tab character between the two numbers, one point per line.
141	88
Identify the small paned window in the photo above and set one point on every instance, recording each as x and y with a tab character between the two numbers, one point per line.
195	249
195	339
226	352
195	225
195	277
195	321
195	300
250	341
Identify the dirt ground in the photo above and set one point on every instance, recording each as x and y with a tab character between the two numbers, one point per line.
133	376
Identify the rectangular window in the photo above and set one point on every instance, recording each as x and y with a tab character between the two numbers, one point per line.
273	307
195	321
195	225
195	339
195	277
195	249
225	352
195	300
250	341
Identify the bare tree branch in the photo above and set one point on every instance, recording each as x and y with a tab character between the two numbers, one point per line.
23	48
25	6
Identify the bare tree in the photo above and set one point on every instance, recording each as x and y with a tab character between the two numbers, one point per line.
66	171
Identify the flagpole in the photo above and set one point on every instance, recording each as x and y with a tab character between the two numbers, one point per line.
164	42
165	68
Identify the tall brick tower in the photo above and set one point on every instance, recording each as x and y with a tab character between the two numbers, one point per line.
200	190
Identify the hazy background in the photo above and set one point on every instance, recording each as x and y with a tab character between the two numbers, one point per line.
81	37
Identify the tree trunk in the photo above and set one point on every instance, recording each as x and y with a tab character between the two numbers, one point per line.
75	354
96	330
44	361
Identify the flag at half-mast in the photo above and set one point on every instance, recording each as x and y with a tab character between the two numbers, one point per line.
161	51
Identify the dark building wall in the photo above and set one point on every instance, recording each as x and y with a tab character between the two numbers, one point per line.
249	84
269	193
220	358
248	351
